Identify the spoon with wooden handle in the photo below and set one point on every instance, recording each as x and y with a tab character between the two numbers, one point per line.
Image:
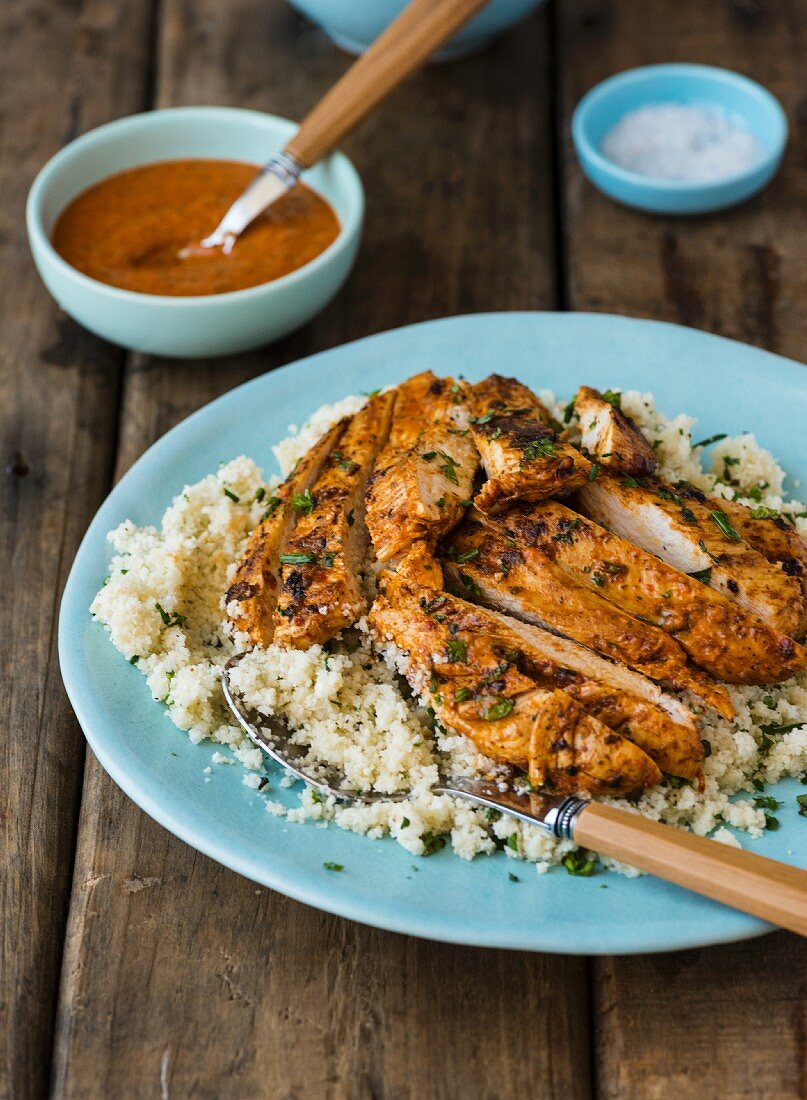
774	891
405	45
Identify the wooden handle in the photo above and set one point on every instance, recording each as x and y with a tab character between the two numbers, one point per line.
404	46
770	890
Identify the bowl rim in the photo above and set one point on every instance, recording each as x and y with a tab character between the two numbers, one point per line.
587	149
144	120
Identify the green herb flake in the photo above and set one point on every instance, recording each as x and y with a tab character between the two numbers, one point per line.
722	521
470	584
568	412
303	502
135	659
512	877
351	517
259	494
613	397
764	513
774	728
297	559
512	842
329	866
273	504
500	709
405	822
456	651
461	695
174	619
467	555
771	823
578	863
801	800
441	503
231	495
702	575
598	579
432	843
712	439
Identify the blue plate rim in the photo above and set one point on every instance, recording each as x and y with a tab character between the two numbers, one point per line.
307	888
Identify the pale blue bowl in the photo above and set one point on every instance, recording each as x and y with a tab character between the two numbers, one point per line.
354	24
203	326
601	108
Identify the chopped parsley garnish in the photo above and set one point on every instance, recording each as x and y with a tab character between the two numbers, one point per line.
722	521
461	695
774	728
449	468
512	842
427	456
303	502
613	397
565	535
370	393
229	493
630	482
512	877
260	494
273	503
432	843
298	559
456	651
500	709
465	503
485	418
405	823
767	802
467	555
592	474
329	866
687	515
135	659
174	619
598	579
764	513
702	575
441	503
771	823
578	863
470	584
350	518
568	412
712	439
543	447
801	799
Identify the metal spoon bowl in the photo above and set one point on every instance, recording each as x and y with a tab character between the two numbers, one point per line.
273	736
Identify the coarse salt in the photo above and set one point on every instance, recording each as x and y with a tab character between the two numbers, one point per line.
669	141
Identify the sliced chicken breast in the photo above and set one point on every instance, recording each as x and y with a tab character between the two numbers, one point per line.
497	653
718	634
321	570
484	564
610	436
252	596
694	537
765	531
523	456
424	491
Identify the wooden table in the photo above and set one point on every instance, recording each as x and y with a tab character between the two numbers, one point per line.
131	965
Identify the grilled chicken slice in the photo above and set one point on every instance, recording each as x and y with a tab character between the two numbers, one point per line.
467	673
522	455
611	436
504	658
718	634
692	536
416	401
769	534
320	572
252	596
485	564
424	491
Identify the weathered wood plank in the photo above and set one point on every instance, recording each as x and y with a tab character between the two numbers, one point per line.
66	67
174	965
729	1021
740	273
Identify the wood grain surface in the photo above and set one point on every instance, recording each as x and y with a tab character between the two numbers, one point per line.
178	978
729	1022
65	68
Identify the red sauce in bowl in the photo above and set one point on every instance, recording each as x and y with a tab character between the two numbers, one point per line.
133	230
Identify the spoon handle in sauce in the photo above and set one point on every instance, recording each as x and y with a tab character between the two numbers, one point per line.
421	28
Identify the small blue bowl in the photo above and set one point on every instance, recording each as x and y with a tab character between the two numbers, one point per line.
205	325
353	25
601	108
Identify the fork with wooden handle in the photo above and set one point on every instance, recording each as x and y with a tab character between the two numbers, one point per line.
773	891
421	28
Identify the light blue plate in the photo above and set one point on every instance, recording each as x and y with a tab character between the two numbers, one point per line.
729	386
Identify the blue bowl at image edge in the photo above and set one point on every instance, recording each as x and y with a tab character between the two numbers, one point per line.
354	24
602	107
